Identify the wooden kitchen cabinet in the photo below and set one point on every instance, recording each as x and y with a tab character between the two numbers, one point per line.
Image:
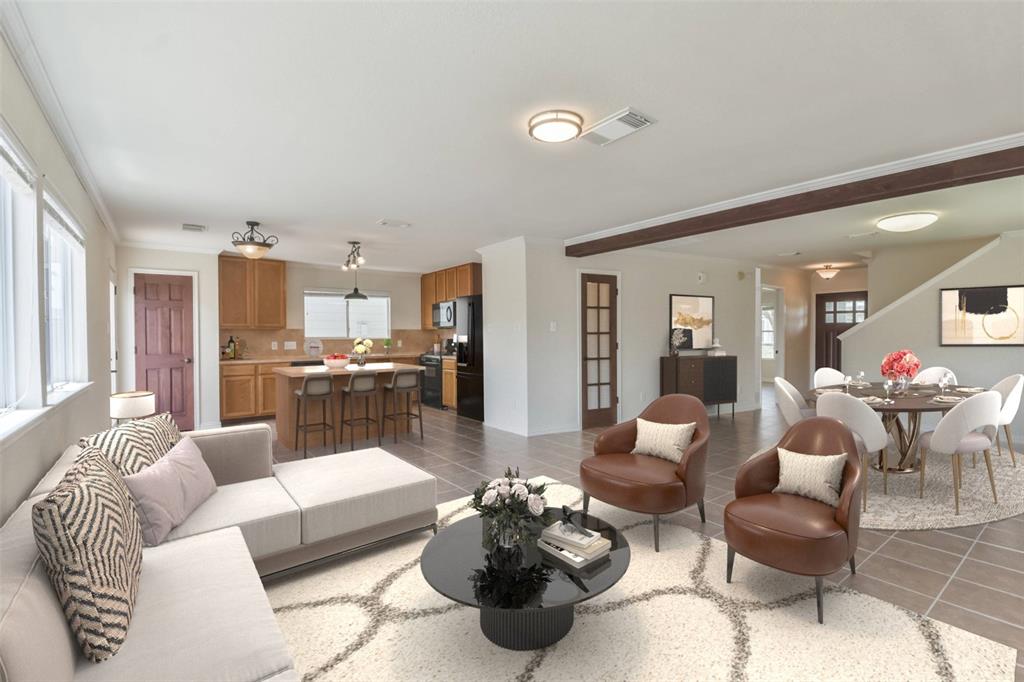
468	280
439	287
450	284
252	293
449	394
237	391
266	389
427	301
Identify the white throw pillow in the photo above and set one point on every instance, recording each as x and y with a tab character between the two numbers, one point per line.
667	441
819	477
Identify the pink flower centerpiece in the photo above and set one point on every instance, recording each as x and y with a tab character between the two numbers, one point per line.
900	364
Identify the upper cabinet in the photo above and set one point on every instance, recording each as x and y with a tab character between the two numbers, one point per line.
445	285
252	293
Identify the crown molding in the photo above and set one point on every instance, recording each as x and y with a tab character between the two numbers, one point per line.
16	32
912	163
177	248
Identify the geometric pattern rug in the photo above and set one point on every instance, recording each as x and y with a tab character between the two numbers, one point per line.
902	509
372	616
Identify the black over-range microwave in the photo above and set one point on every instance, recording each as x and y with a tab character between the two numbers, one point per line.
444	314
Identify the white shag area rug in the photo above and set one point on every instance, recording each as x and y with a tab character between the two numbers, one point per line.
902	509
672	616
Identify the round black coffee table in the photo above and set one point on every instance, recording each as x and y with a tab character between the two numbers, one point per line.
525	598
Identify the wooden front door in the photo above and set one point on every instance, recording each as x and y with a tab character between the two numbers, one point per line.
163	344
600	342
834	314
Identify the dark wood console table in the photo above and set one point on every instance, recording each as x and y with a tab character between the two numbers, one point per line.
710	378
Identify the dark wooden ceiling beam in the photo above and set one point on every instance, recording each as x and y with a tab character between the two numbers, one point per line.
993	165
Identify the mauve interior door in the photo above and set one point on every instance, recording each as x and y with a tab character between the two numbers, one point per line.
163	344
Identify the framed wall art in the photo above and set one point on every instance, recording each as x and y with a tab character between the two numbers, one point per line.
982	316
691	321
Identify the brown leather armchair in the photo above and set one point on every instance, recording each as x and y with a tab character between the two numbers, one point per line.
649	485
789	532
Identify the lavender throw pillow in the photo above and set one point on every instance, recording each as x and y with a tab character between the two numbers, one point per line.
170	489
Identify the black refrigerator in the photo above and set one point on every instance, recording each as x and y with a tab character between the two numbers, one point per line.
469	348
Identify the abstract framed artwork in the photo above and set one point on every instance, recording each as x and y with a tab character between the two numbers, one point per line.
982	316
691	321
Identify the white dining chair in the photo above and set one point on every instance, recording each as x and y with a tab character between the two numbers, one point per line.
792	405
931	375
968	427
868	432
826	376
1010	389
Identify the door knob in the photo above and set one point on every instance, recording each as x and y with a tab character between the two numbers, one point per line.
188	361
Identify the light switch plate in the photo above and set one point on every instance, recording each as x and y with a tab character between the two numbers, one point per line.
399	342
289	345
273	345
552	326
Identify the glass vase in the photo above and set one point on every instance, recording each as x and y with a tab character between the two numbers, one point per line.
361	360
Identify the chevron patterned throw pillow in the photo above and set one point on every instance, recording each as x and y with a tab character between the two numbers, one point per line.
88	534
135	445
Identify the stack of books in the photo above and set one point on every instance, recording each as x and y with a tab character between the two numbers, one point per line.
568	545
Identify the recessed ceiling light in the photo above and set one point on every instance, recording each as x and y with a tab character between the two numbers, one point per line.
787	254
906	222
556	125
827	272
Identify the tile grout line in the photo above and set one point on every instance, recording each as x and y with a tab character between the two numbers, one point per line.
954	572
870	554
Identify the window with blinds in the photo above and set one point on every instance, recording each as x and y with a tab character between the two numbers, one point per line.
328	315
64	297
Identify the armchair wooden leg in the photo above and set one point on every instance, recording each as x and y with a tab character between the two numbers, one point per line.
974	460
956	483
818	587
586	502
991	479
1009	444
730	559
885	471
920	488
657	527
700	508
853	565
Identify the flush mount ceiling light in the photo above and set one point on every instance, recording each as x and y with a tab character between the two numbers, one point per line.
556	125
253	244
354	261
827	272
906	222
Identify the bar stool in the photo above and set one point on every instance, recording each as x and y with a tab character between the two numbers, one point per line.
403	382
360	386
315	388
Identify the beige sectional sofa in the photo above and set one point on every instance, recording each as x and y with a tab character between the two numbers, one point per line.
201	612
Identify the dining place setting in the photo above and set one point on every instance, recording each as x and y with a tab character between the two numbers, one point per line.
971	431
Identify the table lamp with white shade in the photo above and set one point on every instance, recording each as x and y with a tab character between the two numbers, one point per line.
132	405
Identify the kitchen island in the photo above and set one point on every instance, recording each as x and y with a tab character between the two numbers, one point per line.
289	380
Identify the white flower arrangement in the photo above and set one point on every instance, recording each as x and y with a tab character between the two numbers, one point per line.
512	504
362	346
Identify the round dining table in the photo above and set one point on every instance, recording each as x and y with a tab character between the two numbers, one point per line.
901	412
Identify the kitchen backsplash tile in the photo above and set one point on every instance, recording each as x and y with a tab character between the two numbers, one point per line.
256	343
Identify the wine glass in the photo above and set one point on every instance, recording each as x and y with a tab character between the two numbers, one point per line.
943	383
860	378
846	383
888	385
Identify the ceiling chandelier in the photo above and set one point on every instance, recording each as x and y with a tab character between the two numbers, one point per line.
556	125
827	272
253	243
353	262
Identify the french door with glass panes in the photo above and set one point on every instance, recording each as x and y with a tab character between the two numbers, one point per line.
600	397
834	314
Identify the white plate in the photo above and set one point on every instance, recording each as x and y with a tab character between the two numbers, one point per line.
970	389
952	399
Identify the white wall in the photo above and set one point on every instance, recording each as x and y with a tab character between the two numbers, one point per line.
796	288
505	335
894	271
913	322
29	453
404	288
647	278
206	317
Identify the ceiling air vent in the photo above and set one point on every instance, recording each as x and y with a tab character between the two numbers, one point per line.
616	127
192	227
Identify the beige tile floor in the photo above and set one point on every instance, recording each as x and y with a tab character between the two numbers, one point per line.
971	577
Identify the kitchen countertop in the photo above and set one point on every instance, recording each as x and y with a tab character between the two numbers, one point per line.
294	358
368	368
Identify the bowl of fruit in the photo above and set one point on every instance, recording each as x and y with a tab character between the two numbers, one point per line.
336	360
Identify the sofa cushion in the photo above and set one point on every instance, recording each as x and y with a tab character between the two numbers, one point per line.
350	491
88	535
135	445
201	614
267	516
667	441
170	489
35	641
56	473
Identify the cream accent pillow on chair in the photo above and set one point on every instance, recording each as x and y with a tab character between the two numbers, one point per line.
819	477
667	441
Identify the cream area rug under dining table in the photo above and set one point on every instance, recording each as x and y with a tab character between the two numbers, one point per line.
372	616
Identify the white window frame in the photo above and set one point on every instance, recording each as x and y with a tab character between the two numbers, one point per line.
346	332
61	231
769	314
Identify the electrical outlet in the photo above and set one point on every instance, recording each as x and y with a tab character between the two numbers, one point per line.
273	345
399	343
552	326
290	345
